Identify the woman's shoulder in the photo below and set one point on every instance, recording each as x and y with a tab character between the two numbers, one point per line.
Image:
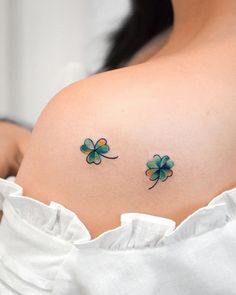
140	112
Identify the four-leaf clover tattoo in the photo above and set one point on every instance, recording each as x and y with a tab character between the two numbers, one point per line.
95	151
159	168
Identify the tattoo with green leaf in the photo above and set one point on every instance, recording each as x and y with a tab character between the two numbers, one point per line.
95	151
159	168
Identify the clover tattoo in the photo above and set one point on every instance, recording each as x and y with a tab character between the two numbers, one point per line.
159	168
95	151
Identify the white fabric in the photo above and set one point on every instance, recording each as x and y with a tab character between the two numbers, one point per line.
48	250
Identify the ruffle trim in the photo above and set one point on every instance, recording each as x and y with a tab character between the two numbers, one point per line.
136	230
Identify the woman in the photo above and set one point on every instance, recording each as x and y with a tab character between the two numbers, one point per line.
174	108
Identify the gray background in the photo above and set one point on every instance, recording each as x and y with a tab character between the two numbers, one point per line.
47	45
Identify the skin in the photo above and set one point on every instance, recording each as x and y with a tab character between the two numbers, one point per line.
14	142
180	101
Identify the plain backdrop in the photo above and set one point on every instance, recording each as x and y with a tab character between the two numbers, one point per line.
47	45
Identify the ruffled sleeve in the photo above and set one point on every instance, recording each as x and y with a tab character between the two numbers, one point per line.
136	230
54	219
44	248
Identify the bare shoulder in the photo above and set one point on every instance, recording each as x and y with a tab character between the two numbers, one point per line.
140	112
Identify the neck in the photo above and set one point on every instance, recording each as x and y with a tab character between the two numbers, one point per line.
200	21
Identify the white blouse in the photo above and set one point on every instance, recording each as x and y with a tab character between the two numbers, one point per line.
48	250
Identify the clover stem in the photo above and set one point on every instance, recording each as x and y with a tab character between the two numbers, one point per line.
109	157
154	184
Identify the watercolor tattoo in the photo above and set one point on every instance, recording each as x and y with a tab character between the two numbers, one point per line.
159	168
95	151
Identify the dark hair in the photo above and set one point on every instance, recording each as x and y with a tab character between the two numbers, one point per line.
146	19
